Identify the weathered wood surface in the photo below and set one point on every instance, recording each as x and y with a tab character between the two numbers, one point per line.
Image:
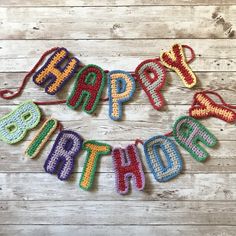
189	187
98	212
117	230
133	22
119	34
63	3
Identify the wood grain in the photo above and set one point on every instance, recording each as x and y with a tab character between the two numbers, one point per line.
46	187
119	34
63	3
112	212
116	230
118	22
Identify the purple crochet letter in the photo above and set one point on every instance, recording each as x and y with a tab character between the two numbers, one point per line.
64	151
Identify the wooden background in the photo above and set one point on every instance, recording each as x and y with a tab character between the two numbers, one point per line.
119	34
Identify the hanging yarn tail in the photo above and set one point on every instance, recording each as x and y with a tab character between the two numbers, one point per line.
221	99
8	94
192	53
138	141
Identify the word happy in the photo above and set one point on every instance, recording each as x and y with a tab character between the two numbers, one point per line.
91	79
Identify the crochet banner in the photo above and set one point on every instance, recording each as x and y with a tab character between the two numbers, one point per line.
89	85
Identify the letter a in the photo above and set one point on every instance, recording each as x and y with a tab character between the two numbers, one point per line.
188	132
88	88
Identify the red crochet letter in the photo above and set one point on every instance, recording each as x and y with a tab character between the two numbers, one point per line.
176	61
87	89
127	164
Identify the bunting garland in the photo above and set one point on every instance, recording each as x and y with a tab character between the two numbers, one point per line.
89	85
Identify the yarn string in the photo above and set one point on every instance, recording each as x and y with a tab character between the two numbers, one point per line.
192	53
138	141
4	92
217	95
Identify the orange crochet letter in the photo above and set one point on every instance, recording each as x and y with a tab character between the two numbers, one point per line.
207	107
54	73
95	150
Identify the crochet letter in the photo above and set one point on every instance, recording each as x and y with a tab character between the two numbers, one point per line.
88	88
55	73
14	126
175	60
94	151
152	84
188	132
173	158
62	156
121	87
41	138
204	106
126	163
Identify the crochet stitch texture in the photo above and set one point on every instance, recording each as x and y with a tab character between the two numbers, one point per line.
121	87
88	88
175	60
41	138
14	126
126	164
94	151
206	107
161	172
188	132
64	151
53	72
152	84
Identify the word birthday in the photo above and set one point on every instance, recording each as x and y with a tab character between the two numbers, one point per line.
89	84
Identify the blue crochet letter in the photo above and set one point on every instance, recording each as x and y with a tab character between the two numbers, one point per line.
121	87
162	172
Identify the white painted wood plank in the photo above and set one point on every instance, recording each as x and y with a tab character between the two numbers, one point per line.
117	230
118	212
185	187
118	22
63	3
203	195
